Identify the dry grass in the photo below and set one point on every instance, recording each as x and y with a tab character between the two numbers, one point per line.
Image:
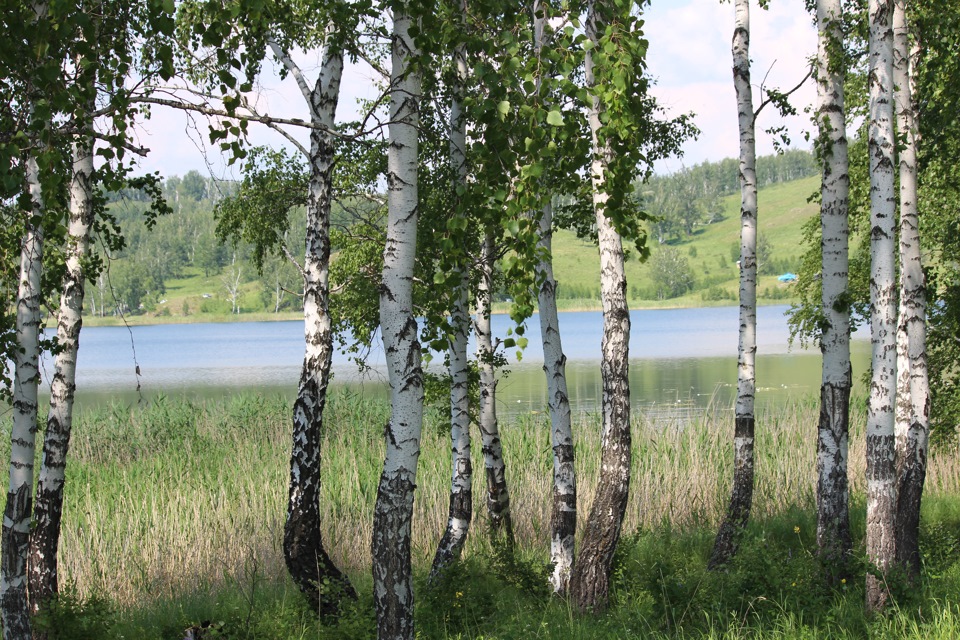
181	496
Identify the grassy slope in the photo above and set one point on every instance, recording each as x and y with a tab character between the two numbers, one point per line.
783	210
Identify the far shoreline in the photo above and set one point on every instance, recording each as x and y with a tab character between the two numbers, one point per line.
499	308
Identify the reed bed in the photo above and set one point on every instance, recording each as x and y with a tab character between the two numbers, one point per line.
178	496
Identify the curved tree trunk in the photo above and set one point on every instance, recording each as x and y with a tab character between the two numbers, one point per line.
48	507
461	492
834	541
881	476
306	559
590	577
563	518
741	498
913	433
498	497
393	512
14	608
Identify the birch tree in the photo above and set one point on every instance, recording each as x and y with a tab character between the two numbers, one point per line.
498	495
741	498
563	519
913	427
461	492
19	509
304	552
590	578
283	29
833	519
393	511
45	535
741	495
881	473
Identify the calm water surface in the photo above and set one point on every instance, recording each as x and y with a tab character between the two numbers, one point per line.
680	359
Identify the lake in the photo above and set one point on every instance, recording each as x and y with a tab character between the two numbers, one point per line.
681	360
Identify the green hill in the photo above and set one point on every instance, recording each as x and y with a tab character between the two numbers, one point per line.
711	254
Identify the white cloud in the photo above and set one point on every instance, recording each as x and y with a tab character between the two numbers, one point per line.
690	57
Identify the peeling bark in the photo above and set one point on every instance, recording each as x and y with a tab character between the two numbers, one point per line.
392	578
48	509
834	543
14	607
913	433
498	497
461	494
590	577
881	476
741	497
311	568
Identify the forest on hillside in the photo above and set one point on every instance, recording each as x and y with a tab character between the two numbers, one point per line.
184	243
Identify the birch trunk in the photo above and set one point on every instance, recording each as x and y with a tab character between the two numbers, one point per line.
741	497
461	494
563	519
311	568
393	512
590	577
14	607
912	438
881	477
48	507
498	497
834	541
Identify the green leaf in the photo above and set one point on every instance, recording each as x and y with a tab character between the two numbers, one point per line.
555	118
503	108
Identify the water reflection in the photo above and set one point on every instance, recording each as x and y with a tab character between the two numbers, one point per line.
682	361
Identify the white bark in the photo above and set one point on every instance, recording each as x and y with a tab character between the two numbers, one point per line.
45	537
590	578
563	519
881	484
498	497
461	494
17	514
833	521
393	587
741	498
913	432
304	553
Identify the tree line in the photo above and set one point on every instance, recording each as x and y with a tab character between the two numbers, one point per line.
495	127
187	238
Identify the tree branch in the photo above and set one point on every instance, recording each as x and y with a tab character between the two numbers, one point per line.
783	96
251	117
294	70
296	264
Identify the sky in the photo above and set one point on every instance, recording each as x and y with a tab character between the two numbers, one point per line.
689	56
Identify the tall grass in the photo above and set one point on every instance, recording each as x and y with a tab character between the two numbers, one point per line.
179	495
174	514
